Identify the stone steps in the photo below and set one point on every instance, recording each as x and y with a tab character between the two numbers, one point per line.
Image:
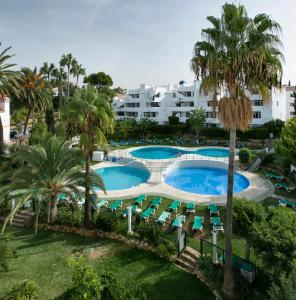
188	260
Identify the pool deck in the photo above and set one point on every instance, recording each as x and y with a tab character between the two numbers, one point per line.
259	188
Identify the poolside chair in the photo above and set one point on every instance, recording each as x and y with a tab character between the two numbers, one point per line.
125	212
62	197
140	200
287	203
174	205
101	204
190	208
214	212
165	216
148	213
274	176
116	204
155	202
285	186
198	223
217	224
179	221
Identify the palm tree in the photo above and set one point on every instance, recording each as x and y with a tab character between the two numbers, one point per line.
8	84
77	70
45	171
47	70
90	115
238	54
67	61
59	79
33	92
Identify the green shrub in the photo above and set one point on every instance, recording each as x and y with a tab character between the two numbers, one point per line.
173	120
244	155
211	272
69	217
150	231
107	221
266	158
215	132
286	166
166	249
26	291
257	133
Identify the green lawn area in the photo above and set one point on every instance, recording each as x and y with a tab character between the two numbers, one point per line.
42	258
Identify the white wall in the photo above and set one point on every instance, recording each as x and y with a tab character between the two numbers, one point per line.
5	118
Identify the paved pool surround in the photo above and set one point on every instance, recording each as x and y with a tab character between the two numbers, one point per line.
259	188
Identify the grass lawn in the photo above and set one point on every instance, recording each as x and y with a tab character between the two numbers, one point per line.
42	258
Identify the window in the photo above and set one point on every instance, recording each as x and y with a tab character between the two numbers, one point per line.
134	95
131	114
258	103
174	95
134	104
186	94
191	103
292	104
257	115
292	113
209	114
150	114
153	104
120	113
210	103
277	103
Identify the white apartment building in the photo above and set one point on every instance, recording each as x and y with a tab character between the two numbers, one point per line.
5	118
160	102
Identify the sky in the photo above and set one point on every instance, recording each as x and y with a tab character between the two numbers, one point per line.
135	41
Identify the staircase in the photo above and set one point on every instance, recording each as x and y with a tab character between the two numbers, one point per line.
22	218
187	260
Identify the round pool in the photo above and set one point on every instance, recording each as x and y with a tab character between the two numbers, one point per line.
121	178
204	180
213	152
157	152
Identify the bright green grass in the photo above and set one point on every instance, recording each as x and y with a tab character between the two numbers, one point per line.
42	258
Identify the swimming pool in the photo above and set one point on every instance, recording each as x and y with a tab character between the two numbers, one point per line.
172	152
122	177
204	180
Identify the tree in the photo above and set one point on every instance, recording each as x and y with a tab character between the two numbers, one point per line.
59	78
197	120
145	125
125	126
275	241
286	287
90	115
8	84
286	145
173	120
77	70
67	60
238	54
47	70
245	215
99	80
33	92
5	251
44	171
19	116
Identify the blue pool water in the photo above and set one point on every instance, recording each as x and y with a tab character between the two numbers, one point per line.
121	178
170	152
206	181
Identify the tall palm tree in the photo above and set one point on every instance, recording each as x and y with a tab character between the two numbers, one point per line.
77	71
47	70
67	60
33	92
44	171
238	54
59	79
8	84
90	115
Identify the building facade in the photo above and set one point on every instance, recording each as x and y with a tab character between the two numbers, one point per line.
161	102
5	118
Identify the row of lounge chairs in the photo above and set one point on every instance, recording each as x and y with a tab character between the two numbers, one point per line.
280	185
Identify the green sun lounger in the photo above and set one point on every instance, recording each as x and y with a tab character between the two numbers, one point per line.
287	203
155	202
285	186
213	210
102	203
176	221
148	213
174	205
216	223
198	223
274	176
140	200
115	205
134	208
190	207
164	217
62	197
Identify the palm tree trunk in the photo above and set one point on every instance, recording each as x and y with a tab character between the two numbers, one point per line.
228	285
1	138
87	204
53	211
27	120
248	250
